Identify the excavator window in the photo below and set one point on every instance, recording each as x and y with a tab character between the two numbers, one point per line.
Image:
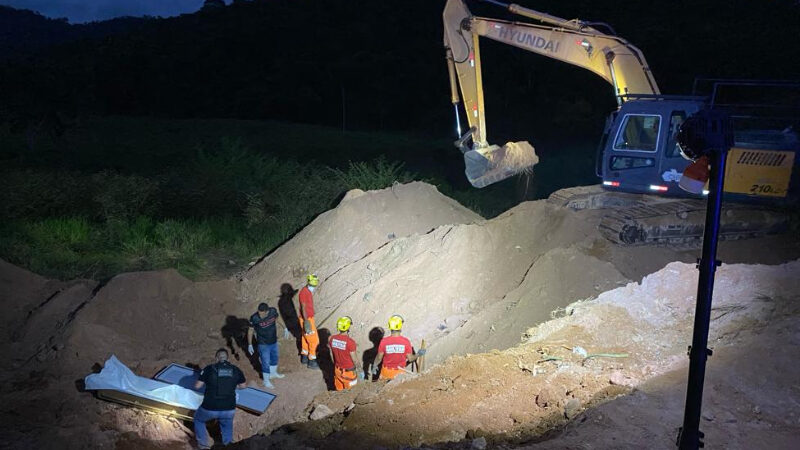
676	119
639	132
630	162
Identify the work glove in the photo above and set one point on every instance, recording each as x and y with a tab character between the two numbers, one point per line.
286	334
307	326
376	370
421	352
361	375
250	349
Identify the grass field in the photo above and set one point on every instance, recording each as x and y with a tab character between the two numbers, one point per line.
209	196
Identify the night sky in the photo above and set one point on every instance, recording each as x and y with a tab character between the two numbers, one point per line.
79	11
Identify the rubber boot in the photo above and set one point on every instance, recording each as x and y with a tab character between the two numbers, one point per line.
273	372
312	364
267	383
303	359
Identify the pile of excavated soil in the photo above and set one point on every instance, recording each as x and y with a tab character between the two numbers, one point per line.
147	319
464	284
465	287
55	333
359	225
750	401
631	377
35	312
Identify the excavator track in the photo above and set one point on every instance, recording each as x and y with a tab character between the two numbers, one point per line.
636	219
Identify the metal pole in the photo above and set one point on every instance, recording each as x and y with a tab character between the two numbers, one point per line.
690	436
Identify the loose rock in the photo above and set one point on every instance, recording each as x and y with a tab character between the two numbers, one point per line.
572	408
620	379
320	411
479	443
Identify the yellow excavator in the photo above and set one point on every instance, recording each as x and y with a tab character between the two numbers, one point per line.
572	41
639	160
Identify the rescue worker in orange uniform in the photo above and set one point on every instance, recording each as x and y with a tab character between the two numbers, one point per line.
394	351
310	338
343	348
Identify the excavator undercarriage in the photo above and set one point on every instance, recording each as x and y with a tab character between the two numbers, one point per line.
641	219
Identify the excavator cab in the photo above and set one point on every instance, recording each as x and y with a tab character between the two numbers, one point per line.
640	152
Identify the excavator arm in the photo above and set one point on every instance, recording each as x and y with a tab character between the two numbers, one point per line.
572	41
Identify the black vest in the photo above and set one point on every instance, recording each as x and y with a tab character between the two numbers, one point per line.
221	380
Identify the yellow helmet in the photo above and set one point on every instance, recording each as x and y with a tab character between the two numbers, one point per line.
312	279
343	324
395	323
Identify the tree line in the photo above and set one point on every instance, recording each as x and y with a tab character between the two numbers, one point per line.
368	65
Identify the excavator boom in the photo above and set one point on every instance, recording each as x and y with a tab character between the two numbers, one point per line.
571	41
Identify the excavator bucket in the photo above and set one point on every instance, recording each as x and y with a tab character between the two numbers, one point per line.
491	164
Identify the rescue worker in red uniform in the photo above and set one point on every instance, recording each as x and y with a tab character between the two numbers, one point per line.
394	351
309	338
343	348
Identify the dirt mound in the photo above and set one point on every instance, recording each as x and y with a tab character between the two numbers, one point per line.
148	315
20	293
439	280
466	279
466	287
629	334
57	332
749	402
36	313
542	293
360	224
148	319
20	290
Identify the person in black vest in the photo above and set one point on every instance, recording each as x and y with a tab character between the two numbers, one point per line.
263	324
219	400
